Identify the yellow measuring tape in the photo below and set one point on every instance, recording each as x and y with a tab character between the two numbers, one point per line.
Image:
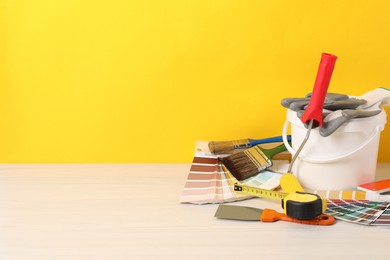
299	205
248	190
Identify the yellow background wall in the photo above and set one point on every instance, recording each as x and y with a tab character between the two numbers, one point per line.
141	81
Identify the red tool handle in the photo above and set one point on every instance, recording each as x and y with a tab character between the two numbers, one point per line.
270	215
324	74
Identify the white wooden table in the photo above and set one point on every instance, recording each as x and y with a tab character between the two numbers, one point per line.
131	211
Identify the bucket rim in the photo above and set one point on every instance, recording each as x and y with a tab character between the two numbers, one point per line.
354	125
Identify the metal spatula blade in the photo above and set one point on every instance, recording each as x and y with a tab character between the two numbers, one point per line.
241	213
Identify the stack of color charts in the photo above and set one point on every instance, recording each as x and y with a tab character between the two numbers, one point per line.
357	206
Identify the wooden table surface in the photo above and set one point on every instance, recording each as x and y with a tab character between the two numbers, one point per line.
131	211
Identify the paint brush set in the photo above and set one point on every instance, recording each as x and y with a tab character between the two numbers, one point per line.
209	181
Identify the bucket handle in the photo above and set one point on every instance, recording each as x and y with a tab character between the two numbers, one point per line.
377	130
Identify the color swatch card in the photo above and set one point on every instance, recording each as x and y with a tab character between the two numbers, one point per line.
377	186
383	220
209	181
266	180
363	212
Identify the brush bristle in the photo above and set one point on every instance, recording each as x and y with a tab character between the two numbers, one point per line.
225	147
247	163
240	166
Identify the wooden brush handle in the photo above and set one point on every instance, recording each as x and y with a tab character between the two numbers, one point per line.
324	74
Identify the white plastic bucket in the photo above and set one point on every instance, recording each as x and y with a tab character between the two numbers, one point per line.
343	160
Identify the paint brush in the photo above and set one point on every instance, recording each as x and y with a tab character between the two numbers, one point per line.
251	161
226	147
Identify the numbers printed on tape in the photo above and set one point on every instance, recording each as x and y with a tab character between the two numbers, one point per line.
259	192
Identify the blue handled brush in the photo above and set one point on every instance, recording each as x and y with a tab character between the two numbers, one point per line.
226	147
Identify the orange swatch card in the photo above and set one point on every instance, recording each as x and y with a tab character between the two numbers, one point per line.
377	186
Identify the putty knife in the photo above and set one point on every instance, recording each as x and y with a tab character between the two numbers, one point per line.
266	215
